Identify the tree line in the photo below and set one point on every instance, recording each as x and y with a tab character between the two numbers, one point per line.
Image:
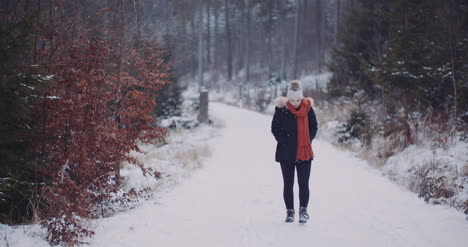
403	63
248	41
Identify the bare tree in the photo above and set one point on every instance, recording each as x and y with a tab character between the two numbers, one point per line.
200	49
247	49
337	18
319	35
229	40
208	35
296	38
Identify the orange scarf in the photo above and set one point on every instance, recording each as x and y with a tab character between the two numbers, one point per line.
304	149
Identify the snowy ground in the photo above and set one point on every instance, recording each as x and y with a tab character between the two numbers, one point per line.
235	199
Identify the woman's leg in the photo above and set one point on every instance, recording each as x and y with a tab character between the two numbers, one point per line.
288	179
303	175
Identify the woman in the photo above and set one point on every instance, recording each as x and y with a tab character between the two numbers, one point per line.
294	126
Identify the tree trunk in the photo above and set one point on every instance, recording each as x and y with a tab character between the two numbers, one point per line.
229	41
296	38
453	40
407	128
208	36
247	48
338	19
283	52
35	35
282	24
137	22
215	41
200	50
240	40
194	34
318	15
270	39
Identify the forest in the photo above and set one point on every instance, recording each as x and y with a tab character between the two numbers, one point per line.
84	83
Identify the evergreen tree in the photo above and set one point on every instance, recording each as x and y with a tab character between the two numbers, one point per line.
453	39
361	39
169	97
409	55
19	87
404	69
169	100
415	72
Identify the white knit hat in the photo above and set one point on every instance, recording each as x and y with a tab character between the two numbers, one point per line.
295	90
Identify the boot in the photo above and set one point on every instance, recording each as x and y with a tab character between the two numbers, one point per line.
303	215
289	216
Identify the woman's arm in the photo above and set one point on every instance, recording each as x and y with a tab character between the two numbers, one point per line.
276	126
312	124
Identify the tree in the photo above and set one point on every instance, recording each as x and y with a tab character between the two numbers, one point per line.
296	38
169	97
453	31
73	116
363	36
228	39
19	85
404	54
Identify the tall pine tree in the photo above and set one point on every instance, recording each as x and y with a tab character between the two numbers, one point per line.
20	85
361	39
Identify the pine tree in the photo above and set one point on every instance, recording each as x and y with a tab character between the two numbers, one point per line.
409	55
169	100
453	39
413	72
170	95
19	86
361	39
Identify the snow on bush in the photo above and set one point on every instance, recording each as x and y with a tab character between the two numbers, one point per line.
177	122
167	165
438	176
435	167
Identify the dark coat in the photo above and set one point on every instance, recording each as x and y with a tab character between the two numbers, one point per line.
284	128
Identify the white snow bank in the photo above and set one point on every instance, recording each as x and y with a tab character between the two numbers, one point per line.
22	236
172	163
427	171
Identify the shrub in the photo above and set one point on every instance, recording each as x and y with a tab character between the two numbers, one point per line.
355	130
93	118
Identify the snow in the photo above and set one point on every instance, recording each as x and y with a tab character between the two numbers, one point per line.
185	152
449	164
235	199
22	236
30	87
316	80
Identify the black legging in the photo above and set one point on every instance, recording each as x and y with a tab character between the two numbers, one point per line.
303	174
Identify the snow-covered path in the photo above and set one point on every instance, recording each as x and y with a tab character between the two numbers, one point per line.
236	200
